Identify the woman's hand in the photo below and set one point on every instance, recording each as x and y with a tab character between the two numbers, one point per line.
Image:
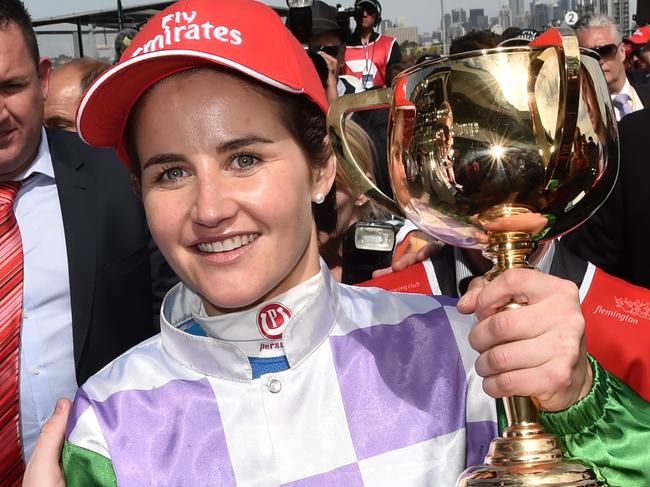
43	468
537	350
419	253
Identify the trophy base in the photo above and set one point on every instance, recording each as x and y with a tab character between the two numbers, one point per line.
543	475
527	456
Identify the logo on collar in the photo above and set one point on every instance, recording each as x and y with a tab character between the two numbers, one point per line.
271	320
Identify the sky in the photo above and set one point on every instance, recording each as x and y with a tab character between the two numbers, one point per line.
425	14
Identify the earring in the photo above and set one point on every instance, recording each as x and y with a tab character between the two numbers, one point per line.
319	198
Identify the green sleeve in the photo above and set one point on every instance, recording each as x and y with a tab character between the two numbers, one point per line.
609	430
85	468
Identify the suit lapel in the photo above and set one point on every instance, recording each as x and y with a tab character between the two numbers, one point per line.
78	208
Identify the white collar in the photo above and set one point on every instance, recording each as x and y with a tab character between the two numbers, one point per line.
626	90
42	163
306	330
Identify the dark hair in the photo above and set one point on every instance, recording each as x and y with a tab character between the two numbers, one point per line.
302	117
14	12
511	32
474	40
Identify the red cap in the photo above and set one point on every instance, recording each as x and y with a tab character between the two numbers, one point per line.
244	35
640	36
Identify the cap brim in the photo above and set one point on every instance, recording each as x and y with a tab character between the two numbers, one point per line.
105	107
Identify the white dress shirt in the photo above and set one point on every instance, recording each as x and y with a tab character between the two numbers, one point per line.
46	356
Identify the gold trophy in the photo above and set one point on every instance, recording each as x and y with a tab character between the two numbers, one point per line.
497	150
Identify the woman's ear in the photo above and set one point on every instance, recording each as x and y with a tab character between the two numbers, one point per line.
324	176
136	184
361	200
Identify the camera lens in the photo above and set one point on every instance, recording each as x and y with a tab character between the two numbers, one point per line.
330	50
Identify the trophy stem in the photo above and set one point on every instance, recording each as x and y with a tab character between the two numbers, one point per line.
525	455
521	411
508	250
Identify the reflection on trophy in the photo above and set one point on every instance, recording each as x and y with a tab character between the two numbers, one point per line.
498	150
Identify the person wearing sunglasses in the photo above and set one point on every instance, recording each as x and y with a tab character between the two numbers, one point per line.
637	55
327	41
369	55
599	33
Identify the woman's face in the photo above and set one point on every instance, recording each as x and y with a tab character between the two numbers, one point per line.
227	190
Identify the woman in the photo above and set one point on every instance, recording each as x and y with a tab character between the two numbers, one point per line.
351	206
267	371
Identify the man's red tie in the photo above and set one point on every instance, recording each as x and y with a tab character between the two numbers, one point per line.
11	306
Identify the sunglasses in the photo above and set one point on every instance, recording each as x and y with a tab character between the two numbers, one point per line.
365	8
331	50
606	52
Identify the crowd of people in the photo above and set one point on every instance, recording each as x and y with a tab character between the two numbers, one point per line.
173	232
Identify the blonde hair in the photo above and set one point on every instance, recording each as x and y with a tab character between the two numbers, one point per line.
598	20
363	150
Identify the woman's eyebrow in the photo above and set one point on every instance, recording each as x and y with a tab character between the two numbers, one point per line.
162	159
240	142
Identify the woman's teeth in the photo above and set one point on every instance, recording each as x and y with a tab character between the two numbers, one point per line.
228	244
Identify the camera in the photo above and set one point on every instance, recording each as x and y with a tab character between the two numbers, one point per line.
299	18
305	22
367	246
343	15
319	64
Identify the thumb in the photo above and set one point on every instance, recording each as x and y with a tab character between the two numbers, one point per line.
50	441
43	468
467	303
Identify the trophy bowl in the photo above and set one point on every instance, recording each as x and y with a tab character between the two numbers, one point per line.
497	150
499	140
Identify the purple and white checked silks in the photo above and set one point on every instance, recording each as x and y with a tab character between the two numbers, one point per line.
381	391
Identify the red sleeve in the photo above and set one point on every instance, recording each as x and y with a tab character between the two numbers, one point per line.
617	317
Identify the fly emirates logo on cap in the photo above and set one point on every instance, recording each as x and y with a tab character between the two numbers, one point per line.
180	27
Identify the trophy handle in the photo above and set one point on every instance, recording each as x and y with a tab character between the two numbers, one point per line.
336	116
568	104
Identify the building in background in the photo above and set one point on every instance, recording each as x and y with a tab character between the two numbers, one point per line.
458	15
385	24
403	32
517	13
446	21
478	19
619	10
542	15
505	17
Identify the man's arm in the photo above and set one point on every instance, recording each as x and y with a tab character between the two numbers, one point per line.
392	65
608	429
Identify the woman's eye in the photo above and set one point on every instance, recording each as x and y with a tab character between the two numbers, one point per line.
172	174
243	161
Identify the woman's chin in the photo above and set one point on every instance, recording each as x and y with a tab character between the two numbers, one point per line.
232	302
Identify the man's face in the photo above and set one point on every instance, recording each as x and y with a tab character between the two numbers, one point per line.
23	88
604	40
368	16
331	42
63	99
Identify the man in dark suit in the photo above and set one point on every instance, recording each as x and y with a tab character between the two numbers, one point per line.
616	237
600	33
86	284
